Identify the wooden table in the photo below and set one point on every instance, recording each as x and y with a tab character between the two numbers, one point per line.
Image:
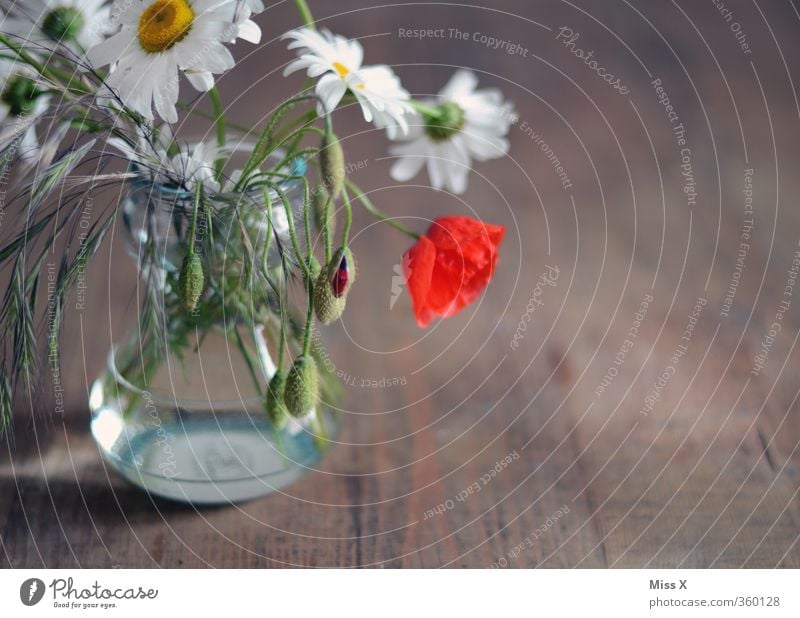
619	438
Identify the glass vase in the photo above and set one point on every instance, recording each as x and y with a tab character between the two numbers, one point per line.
180	409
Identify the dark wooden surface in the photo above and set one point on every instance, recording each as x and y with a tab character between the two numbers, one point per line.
709	477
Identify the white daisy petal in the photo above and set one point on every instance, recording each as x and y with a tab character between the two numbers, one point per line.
200	80
330	89
406	168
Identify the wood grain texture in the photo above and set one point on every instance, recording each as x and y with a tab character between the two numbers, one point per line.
709	477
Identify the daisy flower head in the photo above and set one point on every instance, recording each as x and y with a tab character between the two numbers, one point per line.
80	24
172	163
338	63
159	39
464	124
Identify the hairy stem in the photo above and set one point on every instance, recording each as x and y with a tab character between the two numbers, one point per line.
219	126
370	208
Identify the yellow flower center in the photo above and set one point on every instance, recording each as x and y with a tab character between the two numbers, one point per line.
164	23
342	70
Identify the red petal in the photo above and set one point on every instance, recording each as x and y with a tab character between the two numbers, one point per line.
466	255
418	264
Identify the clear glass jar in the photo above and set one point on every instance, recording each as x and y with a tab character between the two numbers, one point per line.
180	409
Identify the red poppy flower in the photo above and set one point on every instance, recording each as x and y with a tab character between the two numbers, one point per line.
448	267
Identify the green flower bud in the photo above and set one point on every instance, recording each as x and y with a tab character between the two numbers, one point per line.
447	122
63	23
328	307
191	281
302	386
331	160
20	95
273	401
320	201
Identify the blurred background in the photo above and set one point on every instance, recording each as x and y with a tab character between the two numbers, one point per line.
663	197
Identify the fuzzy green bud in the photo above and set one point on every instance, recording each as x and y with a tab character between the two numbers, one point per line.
331	161
19	95
448	121
191	281
64	23
302	386
273	401
328	307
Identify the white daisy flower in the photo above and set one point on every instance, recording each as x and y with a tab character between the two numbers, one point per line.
337	61
77	23
470	124
22	104
160	38
192	163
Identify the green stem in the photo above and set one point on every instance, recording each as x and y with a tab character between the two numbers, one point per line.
219	125
309	282
370	208
425	109
292	231
198	190
348	217
247	359
305	13
326	228
263	145
192	109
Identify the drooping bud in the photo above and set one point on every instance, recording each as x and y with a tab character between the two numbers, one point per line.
19	94
191	281
331	161
302	386
273	401
342	272
320	201
63	24
448	121
327	306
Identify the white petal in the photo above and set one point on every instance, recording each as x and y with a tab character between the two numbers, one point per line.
330	89
201	80
250	32
110	50
461	84
406	168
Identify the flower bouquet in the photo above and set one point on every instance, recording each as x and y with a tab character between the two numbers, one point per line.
242	242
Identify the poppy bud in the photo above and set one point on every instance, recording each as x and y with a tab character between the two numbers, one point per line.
191	281
328	307
273	401
342	272
331	161
302	384
320	201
